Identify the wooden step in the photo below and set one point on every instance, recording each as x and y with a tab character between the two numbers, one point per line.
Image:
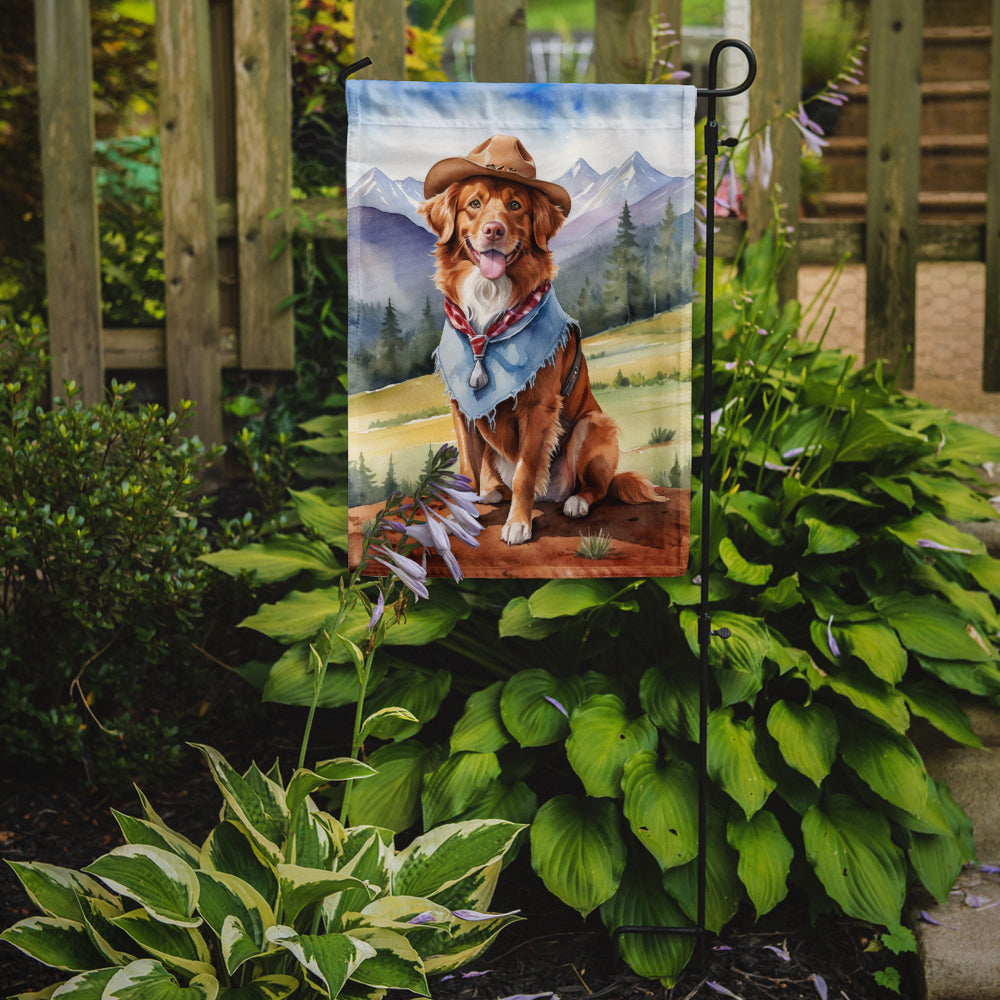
965	206
945	12
956	53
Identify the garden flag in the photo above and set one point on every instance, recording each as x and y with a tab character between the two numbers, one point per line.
520	281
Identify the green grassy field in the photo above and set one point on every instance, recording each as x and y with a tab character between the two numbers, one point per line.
638	351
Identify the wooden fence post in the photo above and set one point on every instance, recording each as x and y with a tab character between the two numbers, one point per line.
991	332
501	37
623	37
776	35
262	61
72	255
380	34
892	214
190	251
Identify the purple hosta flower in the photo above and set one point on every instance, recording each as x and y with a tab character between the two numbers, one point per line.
834	648
377	611
820	984
719	988
475	915
728	195
761	163
927	543
927	918
427	917
989	869
559	705
811	132
411	574
780	952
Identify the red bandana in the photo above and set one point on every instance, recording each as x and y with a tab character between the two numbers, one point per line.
478	341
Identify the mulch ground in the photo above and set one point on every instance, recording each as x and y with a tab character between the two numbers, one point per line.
550	953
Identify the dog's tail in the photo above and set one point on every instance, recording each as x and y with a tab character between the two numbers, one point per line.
631	487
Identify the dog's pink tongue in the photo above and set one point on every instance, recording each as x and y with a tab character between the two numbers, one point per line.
492	264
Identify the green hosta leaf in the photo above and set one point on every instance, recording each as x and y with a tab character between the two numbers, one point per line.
975	605
418	691
850	847
941	709
142	831
758	511
937	857
864	691
535	706
661	798
56	891
641	901
517	620
301	887
395	964
226	898
684	593
976	678
180	948
723	889
986	572
54	941
292	680
516	803
732	760
260	806
602	738
438	859
957	501
765	858
330	959
828	539
671	700
783	595
147	979
98	916
807	736
230	849
972	445
391	798
456	784
894	489
578	851
738	661
279	558
559	598
870	436
931	628
275	987
481	728
387	723
888	763
87	986
876	646
159	881
327	520
739	569
928	528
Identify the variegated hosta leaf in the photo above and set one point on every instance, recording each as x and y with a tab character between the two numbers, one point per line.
141	831
87	986
661	800
441	857
304	782
225	897
602	737
642	902
765	858
56	891
578	851
301	887
456	784
147	979
230	849
395	964
158	880
177	947
54	941
535	706
476	890
807	736
274	987
468	939
850	847
328	959
367	853
99	915
888	763
481	727
732	760
256	801
315	838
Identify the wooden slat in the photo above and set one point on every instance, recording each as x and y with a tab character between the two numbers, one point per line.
190	254
893	184
72	257
621	40
144	348
380	34
501	37
776	35
991	332
262	62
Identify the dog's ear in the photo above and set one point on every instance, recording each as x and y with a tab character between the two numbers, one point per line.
440	212
546	220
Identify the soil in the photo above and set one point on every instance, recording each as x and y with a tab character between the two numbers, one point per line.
550	953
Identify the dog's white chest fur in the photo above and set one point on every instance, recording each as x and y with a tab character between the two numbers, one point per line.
485	299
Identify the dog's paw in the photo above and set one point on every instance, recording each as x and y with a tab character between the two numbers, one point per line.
576	507
493	496
515	533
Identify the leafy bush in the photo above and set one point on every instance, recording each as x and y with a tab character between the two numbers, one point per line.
854	605
280	899
99	539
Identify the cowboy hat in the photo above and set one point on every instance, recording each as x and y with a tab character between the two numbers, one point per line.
500	154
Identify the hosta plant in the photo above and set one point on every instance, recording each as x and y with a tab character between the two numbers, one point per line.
279	900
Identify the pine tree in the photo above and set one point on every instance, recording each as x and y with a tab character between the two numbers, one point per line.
390	485
361	488
675	473
625	283
663	268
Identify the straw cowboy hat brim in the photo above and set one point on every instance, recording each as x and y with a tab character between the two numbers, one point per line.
500	155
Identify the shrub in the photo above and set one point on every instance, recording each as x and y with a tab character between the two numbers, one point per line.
99	539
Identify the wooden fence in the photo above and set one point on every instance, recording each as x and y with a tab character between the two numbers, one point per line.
226	161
